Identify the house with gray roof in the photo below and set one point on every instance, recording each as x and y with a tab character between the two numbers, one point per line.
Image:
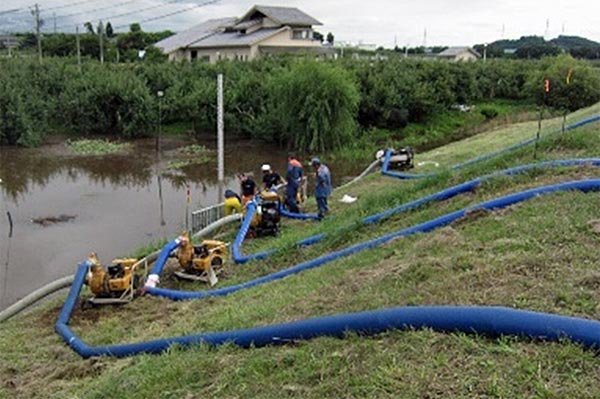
9	41
459	54
262	30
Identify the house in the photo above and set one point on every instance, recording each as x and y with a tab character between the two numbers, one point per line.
459	54
262	30
9	41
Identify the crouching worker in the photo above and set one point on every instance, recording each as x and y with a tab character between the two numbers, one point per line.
323	188
233	203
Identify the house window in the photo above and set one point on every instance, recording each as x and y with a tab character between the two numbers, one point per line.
194	55
301	34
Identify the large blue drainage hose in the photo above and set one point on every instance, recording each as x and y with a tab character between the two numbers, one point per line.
473	184
439	196
480	320
298	216
584	185
400	175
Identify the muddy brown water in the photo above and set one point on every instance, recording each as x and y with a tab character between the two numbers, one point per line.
64	206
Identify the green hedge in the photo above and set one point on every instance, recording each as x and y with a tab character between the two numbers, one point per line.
305	104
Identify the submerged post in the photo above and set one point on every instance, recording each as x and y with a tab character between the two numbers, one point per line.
220	127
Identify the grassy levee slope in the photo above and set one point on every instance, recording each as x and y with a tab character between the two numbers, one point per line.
540	255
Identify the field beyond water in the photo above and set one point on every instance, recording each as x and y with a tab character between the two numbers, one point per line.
540	255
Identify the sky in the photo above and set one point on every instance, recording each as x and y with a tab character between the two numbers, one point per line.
380	22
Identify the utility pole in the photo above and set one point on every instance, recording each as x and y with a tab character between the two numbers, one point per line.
220	130
101	38
54	19
78	47
38	25
160	94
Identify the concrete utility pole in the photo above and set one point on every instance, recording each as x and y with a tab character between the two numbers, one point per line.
220	130
78	47
38	25
101	38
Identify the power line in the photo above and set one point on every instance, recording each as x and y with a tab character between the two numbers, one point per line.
113	17
96	9
27	8
174	13
68	5
12	11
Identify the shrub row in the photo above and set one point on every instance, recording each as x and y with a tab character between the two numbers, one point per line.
299	103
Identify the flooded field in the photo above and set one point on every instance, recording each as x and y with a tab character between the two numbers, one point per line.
64	206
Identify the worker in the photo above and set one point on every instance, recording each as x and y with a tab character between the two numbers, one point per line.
294	178
248	188
270	179
233	203
323	188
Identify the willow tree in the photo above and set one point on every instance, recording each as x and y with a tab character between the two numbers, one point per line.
316	105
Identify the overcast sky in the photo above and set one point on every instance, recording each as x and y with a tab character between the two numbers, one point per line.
382	22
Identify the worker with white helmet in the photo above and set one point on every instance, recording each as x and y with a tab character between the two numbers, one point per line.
270	178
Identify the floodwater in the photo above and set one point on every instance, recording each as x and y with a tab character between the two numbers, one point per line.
65	206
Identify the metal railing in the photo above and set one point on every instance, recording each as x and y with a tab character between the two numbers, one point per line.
203	217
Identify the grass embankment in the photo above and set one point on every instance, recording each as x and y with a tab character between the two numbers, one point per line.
541	255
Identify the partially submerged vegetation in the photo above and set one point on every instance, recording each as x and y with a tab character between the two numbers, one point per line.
97	147
194	154
539	255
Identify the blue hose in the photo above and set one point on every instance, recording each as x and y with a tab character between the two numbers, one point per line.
298	216
439	196
236	251
407	176
483	320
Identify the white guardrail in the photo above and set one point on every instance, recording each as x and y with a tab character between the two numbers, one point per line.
206	216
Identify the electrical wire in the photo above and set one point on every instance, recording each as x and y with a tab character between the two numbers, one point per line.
68	5
141	10
173	13
96	9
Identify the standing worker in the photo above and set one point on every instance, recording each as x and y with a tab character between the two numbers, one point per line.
294	178
323	188
270	179
248	188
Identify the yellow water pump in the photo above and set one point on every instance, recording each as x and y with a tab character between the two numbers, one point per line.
202	262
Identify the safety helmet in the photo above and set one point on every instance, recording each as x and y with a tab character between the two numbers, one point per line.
266	167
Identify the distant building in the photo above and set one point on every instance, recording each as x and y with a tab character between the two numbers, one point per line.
459	54
262	30
9	41
356	45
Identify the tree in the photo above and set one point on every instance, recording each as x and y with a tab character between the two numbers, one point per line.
330	38
573	84
318	36
89	28
316	106
109	30
135	27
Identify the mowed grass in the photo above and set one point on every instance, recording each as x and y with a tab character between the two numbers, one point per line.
497	139
541	255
